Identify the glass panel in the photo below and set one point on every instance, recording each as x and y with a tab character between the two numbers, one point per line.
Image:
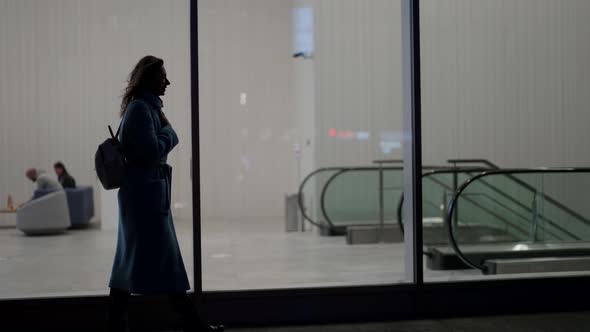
288	88
504	83
64	66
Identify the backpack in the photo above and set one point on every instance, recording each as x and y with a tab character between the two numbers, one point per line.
110	163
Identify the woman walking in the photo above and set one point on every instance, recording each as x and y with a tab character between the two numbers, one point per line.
148	259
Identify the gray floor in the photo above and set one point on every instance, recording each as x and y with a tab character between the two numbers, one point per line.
555	322
75	263
237	255
256	254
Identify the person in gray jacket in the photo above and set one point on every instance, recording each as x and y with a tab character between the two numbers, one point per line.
43	181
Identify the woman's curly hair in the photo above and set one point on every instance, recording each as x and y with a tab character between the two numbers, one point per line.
139	76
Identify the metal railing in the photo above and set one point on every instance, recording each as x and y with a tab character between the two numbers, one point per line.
431	174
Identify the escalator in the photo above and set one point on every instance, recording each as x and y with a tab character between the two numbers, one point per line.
481	217
540	218
309	202
336	199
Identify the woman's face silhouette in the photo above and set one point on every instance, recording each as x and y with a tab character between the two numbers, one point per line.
159	82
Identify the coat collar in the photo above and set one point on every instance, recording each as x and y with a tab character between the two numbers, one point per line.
151	99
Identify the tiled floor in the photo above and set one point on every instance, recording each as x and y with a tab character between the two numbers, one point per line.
237	255
75	263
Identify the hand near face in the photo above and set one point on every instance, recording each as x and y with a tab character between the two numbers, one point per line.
163	119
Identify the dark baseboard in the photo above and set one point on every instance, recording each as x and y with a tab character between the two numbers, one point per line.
314	306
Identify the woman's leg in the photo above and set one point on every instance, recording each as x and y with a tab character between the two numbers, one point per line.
191	318
117	312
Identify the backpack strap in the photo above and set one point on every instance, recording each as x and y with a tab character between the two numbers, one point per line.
116	135
118	129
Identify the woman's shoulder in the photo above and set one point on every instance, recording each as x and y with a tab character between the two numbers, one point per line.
137	108
136	104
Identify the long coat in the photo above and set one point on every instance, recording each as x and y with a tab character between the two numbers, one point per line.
148	259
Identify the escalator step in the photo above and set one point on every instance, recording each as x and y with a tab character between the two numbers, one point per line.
538	265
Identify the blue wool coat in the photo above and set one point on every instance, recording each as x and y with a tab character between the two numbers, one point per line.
148	259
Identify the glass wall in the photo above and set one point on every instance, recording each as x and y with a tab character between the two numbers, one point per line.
505	82
298	100
64	66
301	138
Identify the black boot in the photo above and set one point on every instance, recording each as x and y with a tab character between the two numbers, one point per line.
117	313
191	319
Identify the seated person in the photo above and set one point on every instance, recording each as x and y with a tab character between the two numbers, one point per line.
64	178
44	181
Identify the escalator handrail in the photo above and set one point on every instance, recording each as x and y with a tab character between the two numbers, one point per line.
453	202
523	184
400	205
474	161
388	161
302	186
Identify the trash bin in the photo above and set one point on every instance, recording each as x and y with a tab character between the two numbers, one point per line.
293	218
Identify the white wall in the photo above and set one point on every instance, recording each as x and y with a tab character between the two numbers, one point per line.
247	159
358	79
64	65
506	80
503	80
